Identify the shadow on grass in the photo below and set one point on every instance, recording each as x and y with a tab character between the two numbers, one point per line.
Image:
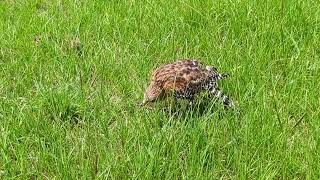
183	110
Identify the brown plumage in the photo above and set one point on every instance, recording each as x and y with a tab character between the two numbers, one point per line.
186	78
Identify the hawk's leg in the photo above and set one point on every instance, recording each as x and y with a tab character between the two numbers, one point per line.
183	95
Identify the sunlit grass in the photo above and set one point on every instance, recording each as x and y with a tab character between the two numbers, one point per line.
73	72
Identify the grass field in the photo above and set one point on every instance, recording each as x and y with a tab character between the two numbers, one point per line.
73	72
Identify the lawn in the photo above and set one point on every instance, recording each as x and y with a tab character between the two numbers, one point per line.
72	74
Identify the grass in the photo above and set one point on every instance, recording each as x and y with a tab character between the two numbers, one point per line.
72	73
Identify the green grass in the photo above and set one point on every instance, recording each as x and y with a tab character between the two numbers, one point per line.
68	112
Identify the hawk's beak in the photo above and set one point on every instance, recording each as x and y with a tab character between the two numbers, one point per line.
144	102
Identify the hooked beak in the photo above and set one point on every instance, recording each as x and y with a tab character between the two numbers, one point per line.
144	102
